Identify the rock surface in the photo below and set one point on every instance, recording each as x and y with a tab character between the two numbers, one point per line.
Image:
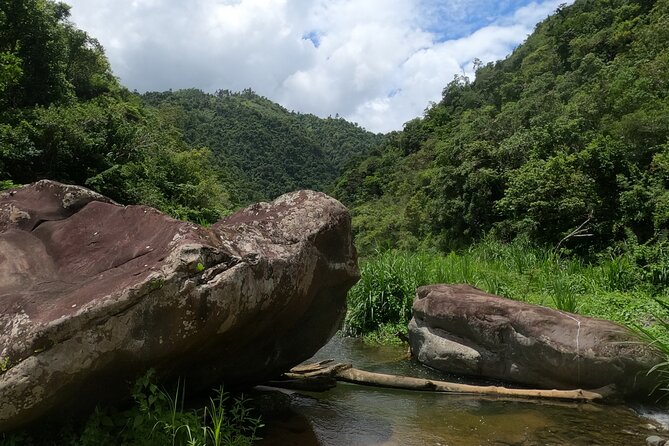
654	440
93	293
461	329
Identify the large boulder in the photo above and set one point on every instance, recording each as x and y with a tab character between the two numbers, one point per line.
93	293
461	329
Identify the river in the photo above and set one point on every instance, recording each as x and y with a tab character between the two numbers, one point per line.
352	415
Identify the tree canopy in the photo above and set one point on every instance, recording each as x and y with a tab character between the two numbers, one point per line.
572	127
64	116
571	131
268	149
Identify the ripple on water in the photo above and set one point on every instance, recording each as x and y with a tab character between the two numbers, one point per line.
354	415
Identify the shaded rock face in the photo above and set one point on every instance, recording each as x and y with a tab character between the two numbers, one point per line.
461	329
93	293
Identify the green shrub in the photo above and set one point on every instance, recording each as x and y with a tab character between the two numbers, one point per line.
157	418
7	184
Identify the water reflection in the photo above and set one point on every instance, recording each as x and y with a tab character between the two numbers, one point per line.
356	415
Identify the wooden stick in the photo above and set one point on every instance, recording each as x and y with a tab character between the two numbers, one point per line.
330	370
403	382
345	372
304	368
578	232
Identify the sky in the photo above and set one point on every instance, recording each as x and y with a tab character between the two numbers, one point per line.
375	62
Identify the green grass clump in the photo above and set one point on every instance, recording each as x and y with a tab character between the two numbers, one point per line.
7	184
660	371
157	418
385	291
617	288
387	334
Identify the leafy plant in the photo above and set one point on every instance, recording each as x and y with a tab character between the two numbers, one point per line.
7	184
157	418
234	425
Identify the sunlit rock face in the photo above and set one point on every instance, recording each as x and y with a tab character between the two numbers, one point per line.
93	293
461	329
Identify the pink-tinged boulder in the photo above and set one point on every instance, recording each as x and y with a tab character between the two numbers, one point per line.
93	293
461	329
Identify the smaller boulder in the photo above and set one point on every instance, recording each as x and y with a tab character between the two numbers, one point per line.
654	440
461	329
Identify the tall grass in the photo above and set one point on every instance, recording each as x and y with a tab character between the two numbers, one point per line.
387	285
613	288
157	418
661	370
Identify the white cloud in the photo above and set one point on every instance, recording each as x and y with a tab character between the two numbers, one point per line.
376	62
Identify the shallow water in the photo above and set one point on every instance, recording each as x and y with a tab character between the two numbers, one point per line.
356	415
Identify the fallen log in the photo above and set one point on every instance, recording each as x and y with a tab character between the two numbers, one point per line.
346	373
404	382
306	368
309	372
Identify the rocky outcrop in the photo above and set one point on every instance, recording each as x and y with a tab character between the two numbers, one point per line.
463	330
93	293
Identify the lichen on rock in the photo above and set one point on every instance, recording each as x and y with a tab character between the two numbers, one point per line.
93	293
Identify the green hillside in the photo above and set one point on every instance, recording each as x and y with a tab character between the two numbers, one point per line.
571	129
269	149
64	116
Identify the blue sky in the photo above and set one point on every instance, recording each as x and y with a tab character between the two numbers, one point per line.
375	62
456	19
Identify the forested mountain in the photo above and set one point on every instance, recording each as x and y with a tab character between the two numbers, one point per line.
64	116
571	129
269	149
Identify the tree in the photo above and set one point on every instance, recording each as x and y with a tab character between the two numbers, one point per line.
573	124
33	31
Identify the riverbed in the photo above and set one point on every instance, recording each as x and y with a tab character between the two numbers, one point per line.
355	415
